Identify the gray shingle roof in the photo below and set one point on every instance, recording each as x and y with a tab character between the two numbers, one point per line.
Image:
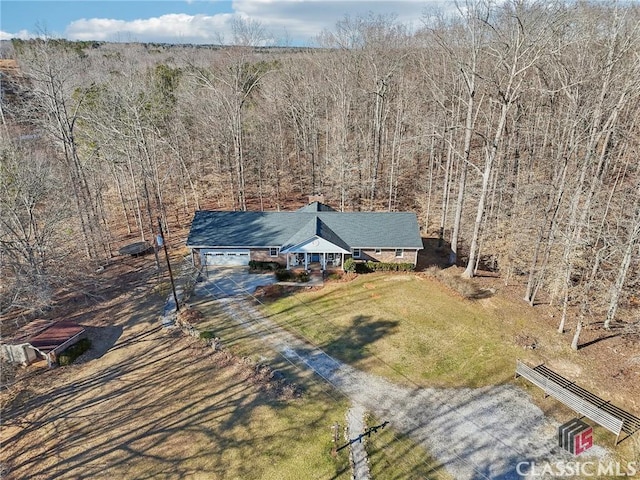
218	229
315	227
306	231
316	207
325	232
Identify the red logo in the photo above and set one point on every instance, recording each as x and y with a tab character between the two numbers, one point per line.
583	441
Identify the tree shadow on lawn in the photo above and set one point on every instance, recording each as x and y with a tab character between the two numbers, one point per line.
167	409
102	340
351	344
401	457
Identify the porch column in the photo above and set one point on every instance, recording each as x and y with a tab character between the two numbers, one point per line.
306	267
324	260
288	255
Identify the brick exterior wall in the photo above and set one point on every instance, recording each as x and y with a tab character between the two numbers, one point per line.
262	255
388	256
385	256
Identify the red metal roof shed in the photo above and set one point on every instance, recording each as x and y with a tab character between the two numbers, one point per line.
56	336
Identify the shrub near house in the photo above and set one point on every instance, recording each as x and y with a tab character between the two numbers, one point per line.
351	266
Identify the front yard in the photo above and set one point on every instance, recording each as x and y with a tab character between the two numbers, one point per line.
408	328
158	404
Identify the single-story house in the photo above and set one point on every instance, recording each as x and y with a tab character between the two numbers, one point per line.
315	236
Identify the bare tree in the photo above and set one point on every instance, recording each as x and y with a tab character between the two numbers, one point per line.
522	36
34	213
468	58
56	95
604	116
232	80
633	245
512	128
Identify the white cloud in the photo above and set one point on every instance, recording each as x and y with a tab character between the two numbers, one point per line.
305	19
297	21
171	28
23	34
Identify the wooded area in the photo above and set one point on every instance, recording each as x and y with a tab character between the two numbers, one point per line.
512	130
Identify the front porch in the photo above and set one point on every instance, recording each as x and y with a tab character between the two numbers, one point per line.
313	261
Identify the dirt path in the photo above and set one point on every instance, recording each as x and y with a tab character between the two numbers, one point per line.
474	433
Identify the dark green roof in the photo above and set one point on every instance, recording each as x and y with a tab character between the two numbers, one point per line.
348	230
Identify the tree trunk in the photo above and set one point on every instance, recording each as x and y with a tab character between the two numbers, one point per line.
616	289
576	336
486	174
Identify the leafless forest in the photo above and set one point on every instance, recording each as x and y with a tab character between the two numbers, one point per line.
512	130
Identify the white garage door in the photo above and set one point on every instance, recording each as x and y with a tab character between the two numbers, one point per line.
227	257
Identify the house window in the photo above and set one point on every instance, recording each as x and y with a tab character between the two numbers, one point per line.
273	252
399	253
378	251
356	253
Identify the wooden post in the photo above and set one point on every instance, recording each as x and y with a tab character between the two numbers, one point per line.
336	429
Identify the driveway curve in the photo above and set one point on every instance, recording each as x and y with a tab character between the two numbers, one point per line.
494	432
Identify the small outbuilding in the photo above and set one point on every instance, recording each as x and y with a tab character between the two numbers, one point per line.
41	340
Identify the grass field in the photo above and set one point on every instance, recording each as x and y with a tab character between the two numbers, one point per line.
407	328
391	455
155	404
158	404
414	330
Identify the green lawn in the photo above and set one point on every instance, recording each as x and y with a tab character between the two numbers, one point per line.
407	328
305	451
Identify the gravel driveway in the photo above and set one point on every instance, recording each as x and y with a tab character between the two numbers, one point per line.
479	433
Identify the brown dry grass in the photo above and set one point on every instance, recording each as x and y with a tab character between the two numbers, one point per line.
152	403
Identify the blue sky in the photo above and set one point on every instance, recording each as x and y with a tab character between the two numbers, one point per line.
293	22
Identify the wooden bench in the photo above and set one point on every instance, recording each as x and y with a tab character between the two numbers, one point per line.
613	418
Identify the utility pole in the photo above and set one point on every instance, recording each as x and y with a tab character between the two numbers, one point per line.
166	254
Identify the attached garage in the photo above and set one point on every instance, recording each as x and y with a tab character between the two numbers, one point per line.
229	257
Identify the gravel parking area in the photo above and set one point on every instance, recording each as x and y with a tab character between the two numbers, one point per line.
482	433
